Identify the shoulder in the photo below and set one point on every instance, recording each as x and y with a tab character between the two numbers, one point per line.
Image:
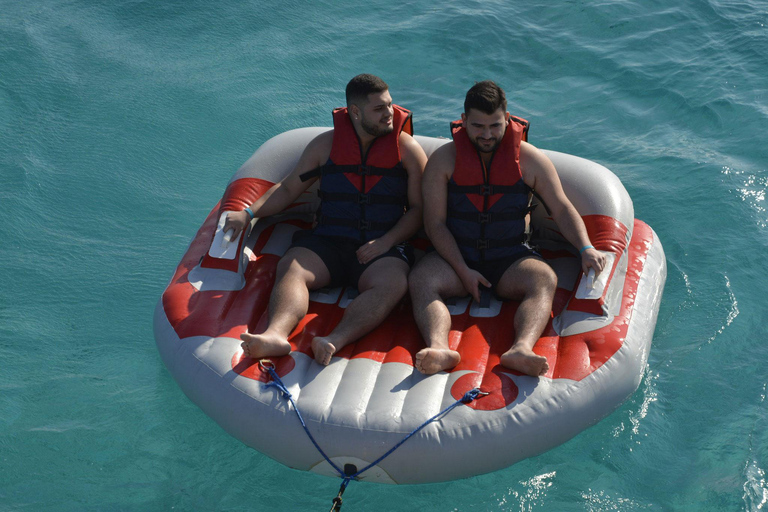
445	153
407	142
409	146
322	141
319	148
533	162
530	153
411	153
442	160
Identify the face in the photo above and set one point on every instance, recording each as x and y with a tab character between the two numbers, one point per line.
376	115
485	130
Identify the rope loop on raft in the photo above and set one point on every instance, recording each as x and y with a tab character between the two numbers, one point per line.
269	367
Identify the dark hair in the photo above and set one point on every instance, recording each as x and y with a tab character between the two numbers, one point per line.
361	86
485	96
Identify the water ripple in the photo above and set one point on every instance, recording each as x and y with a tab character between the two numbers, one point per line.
751	189
733	310
755	485
533	493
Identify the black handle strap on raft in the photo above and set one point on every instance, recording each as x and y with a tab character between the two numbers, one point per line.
349	473
485	297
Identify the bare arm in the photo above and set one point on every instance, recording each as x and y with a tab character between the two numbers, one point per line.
435	191
414	159
540	174
282	194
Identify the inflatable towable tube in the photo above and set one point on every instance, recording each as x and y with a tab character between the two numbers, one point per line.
370	396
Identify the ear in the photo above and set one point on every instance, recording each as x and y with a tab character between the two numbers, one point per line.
506	117
354	111
463	120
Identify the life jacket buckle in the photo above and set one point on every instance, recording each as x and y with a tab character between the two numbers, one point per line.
363	225
482	244
363	198
364	170
486	190
484	218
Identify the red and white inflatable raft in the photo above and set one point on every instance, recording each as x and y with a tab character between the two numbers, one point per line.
371	396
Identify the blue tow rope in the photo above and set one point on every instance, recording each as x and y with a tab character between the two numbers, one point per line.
268	366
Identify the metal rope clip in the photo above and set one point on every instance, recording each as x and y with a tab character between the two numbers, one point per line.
337	501
266	365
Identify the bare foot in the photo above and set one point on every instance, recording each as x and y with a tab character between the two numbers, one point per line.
323	350
432	360
259	346
525	360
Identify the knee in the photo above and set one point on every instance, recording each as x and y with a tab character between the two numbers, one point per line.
548	281
416	280
400	284
396	283
289	268
283	267
390	284
421	284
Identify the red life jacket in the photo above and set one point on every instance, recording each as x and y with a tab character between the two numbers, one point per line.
487	207
362	196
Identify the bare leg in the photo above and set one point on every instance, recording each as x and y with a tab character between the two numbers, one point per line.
533	283
381	287
299	271
430	282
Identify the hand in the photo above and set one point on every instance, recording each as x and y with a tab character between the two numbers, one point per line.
472	279
372	250
592	258
236	221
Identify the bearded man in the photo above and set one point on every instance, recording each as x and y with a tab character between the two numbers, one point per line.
370	168
477	189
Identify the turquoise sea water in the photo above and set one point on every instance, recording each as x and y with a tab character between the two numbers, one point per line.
121	123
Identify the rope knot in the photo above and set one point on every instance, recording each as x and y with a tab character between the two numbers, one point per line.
472	394
283	390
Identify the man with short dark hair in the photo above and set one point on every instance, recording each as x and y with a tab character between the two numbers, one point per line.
477	190
369	167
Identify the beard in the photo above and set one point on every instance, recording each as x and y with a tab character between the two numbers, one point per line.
494	143
375	129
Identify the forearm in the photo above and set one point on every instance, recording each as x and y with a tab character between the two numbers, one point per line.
406	227
274	200
445	244
572	226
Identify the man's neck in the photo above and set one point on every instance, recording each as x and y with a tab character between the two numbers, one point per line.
365	138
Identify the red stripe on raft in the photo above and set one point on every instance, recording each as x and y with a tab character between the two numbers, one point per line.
606	233
242	193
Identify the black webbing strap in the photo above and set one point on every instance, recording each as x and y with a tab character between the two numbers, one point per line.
488	217
537	196
361	198
485	190
489	243
317	171
361	224
361	170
